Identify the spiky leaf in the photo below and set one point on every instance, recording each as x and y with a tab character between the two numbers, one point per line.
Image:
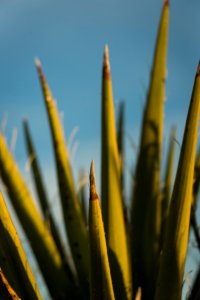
73	218
14	262
39	236
146	208
112	207
176	240
100	277
43	199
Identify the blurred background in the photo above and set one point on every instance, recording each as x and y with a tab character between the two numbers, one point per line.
69	38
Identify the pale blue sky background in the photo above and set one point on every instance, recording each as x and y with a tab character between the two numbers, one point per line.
69	37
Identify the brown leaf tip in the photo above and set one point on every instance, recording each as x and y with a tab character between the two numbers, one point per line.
93	192
166	2
39	68
106	63
37	62
44	84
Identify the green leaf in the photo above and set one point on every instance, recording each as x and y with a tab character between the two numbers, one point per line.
176	239
13	259
100	277
39	236
74	223
42	196
146	206
112	206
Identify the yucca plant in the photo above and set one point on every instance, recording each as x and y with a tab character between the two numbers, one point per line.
115	254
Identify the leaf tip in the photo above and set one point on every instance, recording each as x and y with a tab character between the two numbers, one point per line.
37	62
46	90
106	62
166	2
93	192
39	68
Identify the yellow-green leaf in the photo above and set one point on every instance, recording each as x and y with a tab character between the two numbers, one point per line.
112	207
39	236
14	262
146	206
76	230
42	196
176	239
100	277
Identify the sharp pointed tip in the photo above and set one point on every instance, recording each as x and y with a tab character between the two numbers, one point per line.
106	51
166	2
93	192
39	67
37	62
92	175
106	62
92	168
106	55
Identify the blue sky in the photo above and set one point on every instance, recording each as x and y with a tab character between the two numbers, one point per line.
69	37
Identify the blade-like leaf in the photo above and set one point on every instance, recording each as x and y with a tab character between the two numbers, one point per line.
112	207
42	196
176	239
100	277
146	206
14	262
73	218
39	236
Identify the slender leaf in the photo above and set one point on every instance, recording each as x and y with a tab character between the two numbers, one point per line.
100	276
73	218
37	176
14	262
39	236
176	240
146	206
112	207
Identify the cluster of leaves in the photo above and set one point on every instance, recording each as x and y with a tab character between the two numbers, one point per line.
117	258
